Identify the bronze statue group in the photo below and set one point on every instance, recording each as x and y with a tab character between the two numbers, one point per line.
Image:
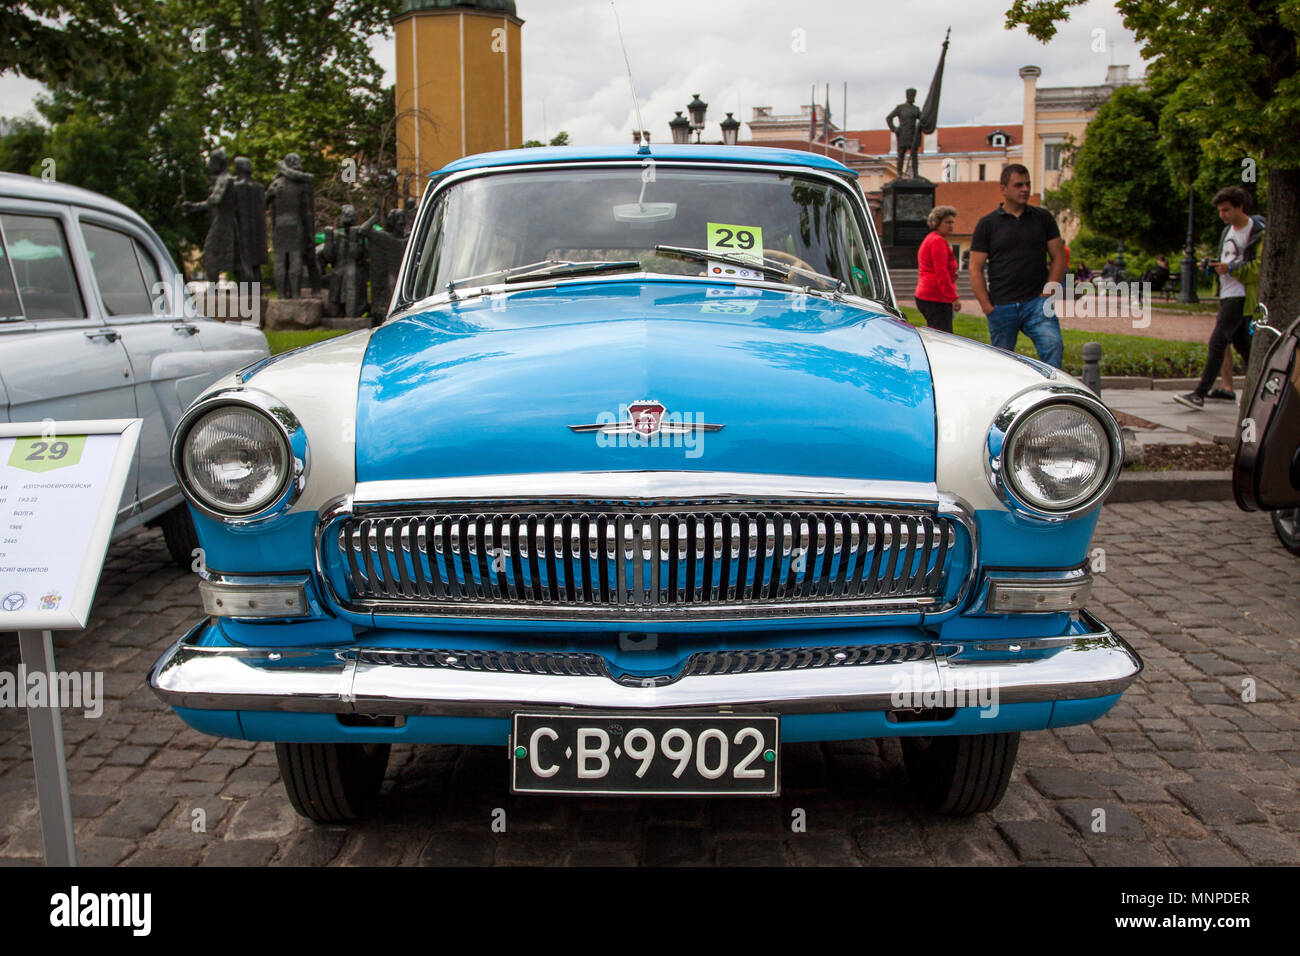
360	259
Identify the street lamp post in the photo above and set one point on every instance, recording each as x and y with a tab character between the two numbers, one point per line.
730	130
681	129
697	108
1187	277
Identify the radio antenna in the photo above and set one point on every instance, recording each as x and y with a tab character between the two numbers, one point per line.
640	127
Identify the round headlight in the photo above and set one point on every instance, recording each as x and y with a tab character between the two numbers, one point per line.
1057	457
235	460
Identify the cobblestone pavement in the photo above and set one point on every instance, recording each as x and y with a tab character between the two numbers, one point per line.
1186	771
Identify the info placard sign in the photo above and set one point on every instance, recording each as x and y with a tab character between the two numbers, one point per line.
60	485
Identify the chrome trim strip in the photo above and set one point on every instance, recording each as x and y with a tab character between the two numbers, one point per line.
392	682
281	418
1009	419
659	487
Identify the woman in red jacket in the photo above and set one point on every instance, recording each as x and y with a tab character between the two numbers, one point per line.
936	280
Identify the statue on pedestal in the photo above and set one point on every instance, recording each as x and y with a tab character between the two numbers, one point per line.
292	201
386	248
913	121
221	246
345	250
250	221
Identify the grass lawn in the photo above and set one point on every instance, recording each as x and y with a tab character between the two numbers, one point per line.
1120	354
284	341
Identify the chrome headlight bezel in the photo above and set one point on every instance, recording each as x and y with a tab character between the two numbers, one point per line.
287	427
1009	420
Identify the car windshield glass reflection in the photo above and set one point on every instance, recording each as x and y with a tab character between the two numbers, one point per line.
788	227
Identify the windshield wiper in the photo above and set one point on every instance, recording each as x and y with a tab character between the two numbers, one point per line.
782	269
544	267
550	269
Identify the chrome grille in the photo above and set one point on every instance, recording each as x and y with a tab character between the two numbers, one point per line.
616	564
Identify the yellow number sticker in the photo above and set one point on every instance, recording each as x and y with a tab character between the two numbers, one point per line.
742	242
46	454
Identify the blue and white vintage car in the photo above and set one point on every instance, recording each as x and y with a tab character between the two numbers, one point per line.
644	476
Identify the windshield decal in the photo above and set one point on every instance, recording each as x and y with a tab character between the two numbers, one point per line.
736	242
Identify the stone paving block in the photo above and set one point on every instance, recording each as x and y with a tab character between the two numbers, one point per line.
601	856
1038	840
1116	853
459	848
747	851
1217	805
1118	822
1262	845
1207	852
242	853
675	846
136	817
264	818
1057	783
1164	821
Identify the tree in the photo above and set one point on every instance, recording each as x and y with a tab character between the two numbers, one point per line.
1121	185
57	41
1238	78
259	77
559	139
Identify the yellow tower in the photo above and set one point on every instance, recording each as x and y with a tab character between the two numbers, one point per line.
458	81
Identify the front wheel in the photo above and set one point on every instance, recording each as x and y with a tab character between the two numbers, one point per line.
332	783
961	775
179	534
1287	525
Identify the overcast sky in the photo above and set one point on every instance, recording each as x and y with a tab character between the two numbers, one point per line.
739	54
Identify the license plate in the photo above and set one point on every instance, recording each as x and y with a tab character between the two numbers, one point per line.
639	754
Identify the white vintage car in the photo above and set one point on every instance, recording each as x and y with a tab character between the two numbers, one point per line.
644	475
94	324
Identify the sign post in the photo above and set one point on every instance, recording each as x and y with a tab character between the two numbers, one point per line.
60	486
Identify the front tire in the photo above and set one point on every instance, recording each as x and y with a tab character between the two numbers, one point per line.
179	534
1287	525
332	783
961	775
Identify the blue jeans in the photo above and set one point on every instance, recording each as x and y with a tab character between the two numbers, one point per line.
1036	319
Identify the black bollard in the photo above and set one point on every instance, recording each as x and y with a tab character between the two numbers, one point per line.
1091	366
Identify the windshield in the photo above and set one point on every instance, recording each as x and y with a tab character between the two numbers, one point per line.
726	223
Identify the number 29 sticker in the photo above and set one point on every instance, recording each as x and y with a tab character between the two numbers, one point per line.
46	454
742	242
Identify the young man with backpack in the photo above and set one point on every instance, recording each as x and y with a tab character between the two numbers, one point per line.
1237	270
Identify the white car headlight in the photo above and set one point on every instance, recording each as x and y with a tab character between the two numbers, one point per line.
237	459
1057	457
1054	453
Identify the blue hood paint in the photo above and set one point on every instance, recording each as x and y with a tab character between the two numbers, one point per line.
482	387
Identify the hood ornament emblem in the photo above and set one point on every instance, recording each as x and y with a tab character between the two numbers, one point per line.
647	418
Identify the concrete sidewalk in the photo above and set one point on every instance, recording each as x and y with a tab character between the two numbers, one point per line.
1174	424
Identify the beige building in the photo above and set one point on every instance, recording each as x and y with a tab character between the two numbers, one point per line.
458	78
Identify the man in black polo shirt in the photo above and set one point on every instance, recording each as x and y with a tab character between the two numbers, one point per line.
1016	239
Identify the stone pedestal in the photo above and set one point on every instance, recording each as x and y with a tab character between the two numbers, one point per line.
288	314
906	204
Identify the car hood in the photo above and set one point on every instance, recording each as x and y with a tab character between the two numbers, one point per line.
801	384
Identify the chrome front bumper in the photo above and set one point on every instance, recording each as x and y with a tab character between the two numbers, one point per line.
392	681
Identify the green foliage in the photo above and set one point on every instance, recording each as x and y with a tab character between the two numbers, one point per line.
260	78
559	139
1120	354
1122	185
23	146
59	41
284	341
1229	73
